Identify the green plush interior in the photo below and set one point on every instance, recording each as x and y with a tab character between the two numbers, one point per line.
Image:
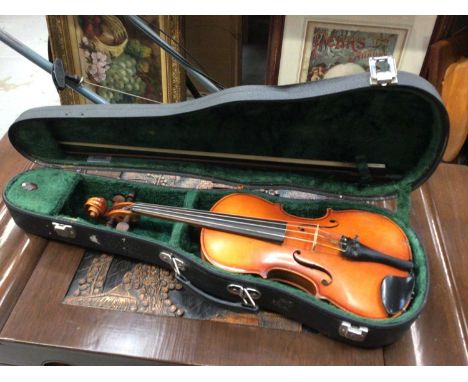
61	194
400	127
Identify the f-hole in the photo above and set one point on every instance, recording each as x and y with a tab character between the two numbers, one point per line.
292	279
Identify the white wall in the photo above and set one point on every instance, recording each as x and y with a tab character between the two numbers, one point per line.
23	85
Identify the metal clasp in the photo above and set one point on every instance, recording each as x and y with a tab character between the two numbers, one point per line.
383	70
64	230
353	333
176	264
247	295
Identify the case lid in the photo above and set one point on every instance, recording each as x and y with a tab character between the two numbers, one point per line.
340	136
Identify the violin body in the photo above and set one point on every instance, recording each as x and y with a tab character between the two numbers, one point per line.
309	257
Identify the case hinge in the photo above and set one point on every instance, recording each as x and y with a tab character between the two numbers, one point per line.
383	71
64	230
247	295
353	333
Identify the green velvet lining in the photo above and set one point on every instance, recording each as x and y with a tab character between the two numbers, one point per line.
62	194
397	126
44	200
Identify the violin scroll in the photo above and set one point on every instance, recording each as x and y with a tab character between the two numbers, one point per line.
96	207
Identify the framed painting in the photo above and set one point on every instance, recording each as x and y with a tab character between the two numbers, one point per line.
116	60
347	47
322	47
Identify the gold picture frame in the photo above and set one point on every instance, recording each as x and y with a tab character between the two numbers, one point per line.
90	46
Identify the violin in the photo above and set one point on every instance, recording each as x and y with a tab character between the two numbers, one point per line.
359	261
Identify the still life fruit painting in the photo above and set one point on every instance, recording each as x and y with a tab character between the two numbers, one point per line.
118	61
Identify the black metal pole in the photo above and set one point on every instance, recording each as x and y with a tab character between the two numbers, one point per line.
191	87
198	75
47	66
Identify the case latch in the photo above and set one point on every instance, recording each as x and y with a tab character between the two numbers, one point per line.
353	333
247	295
64	230
383	70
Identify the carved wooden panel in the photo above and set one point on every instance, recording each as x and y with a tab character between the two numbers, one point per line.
112	282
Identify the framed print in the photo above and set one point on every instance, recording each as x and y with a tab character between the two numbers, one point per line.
321	47
331	44
116	60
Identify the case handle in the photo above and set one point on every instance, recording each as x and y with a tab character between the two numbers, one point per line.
247	295
239	306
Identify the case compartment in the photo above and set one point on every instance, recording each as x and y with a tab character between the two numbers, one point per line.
181	239
403	127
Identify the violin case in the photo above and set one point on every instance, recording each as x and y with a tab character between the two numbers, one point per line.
353	119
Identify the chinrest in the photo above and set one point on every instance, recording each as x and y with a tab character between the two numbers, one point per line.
396	293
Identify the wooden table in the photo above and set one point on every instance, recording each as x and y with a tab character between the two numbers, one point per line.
36	327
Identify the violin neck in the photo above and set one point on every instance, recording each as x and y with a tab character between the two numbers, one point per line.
271	230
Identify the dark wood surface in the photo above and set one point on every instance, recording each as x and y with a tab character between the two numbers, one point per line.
19	251
40	328
440	218
215	42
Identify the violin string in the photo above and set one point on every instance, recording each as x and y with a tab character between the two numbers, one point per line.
152	208
322	233
190	216
208	213
186	218
327	235
218	216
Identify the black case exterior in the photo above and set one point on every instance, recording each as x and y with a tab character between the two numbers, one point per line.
216	285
